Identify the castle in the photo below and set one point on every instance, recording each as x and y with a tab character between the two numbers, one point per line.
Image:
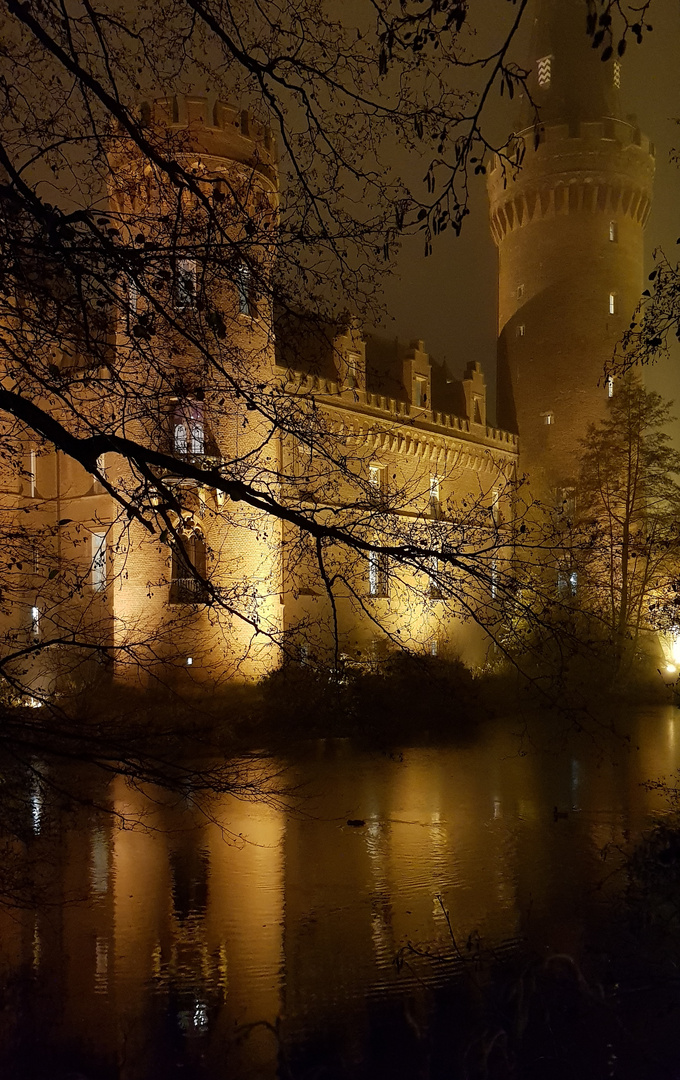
324	424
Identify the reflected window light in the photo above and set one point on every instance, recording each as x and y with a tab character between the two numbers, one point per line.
99	865
575	775
36	945
194	1021
497	812
36	807
101	965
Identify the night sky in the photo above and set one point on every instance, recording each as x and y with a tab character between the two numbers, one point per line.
449	298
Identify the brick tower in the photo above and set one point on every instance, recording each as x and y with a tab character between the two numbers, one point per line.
217	261
569	232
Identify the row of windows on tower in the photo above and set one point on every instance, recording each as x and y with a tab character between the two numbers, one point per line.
545	70
612	307
548	416
186	289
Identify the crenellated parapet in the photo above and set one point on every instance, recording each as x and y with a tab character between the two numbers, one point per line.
401	415
215	129
604	167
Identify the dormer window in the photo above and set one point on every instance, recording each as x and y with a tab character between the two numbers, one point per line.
544	69
352	369
420	392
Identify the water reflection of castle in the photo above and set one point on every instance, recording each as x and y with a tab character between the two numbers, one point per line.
160	944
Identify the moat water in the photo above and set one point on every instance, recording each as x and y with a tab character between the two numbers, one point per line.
265	940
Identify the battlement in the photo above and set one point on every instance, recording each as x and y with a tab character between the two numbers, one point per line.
579	136
596	167
390	409
216	129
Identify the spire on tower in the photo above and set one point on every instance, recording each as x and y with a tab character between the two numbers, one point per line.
568	80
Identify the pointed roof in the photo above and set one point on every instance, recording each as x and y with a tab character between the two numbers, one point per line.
568	79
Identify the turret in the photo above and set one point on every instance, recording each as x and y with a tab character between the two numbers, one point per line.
569	231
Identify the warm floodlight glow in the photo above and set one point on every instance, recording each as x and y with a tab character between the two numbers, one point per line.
675	650
671	669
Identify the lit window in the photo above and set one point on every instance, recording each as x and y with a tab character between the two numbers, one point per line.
432	647
377	573
376	479
434	496
617	74
614	232
434	588
185	284
520	292
612	303
132	297
520	330
494	578
31	474
98	553
610	386
567	582
420	392
544	66
189	430
548	418
181	438
35	622
246	295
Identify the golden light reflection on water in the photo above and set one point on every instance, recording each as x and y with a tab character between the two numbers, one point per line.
299	921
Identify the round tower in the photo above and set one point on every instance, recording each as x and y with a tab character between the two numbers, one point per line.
569	231
197	207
